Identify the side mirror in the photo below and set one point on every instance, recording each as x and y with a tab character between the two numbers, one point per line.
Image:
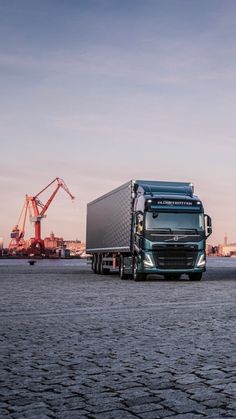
139	222
139	227
208	224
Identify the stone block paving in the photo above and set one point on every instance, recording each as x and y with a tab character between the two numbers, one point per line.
78	345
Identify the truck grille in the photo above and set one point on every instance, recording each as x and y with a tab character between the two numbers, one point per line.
175	259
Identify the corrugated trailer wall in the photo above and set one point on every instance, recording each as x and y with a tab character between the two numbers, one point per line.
109	221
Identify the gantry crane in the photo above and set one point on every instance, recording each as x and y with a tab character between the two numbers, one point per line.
37	211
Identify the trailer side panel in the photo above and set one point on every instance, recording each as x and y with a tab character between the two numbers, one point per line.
109	221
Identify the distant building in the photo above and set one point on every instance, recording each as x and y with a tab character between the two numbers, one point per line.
227	250
209	249
52	242
76	247
226	240
212	250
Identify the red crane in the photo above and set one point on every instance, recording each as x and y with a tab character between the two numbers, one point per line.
37	211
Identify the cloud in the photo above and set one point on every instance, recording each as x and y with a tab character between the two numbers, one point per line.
173	63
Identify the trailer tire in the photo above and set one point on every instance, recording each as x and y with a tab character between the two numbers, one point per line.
195	276
95	264
98	264
104	271
101	270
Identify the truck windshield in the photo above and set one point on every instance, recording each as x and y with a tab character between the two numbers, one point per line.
174	221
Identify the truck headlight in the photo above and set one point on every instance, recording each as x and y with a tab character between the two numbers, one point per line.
148	261
202	261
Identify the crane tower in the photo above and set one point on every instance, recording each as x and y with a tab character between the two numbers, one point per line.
36	211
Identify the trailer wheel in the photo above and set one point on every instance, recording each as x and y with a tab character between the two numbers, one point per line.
100	269
123	275
196	276
104	271
95	266
137	276
93	263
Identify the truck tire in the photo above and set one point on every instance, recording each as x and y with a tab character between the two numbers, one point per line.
98	264
195	276
137	276
95	263
100	269
104	271
123	275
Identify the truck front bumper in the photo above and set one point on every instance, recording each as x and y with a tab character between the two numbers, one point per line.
156	271
151	263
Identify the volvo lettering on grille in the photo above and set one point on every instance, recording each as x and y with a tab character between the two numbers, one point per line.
176	238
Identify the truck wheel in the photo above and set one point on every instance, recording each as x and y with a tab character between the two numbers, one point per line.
95	264
137	275
123	275
104	271
195	277
100	268
98	264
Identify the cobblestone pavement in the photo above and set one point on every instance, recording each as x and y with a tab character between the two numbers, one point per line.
78	345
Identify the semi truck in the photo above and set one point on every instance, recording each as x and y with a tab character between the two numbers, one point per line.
148	227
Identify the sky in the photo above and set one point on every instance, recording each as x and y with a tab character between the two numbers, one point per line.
99	92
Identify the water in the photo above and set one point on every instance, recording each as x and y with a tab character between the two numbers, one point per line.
212	262
222	262
44	262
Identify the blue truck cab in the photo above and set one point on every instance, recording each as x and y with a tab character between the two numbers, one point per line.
170	230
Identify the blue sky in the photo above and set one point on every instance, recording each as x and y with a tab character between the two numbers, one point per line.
99	92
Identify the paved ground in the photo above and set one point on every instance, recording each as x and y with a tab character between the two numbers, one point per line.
78	345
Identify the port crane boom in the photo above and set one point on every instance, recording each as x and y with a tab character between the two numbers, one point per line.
37	211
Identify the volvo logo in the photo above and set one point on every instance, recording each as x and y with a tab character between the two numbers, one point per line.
175	238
